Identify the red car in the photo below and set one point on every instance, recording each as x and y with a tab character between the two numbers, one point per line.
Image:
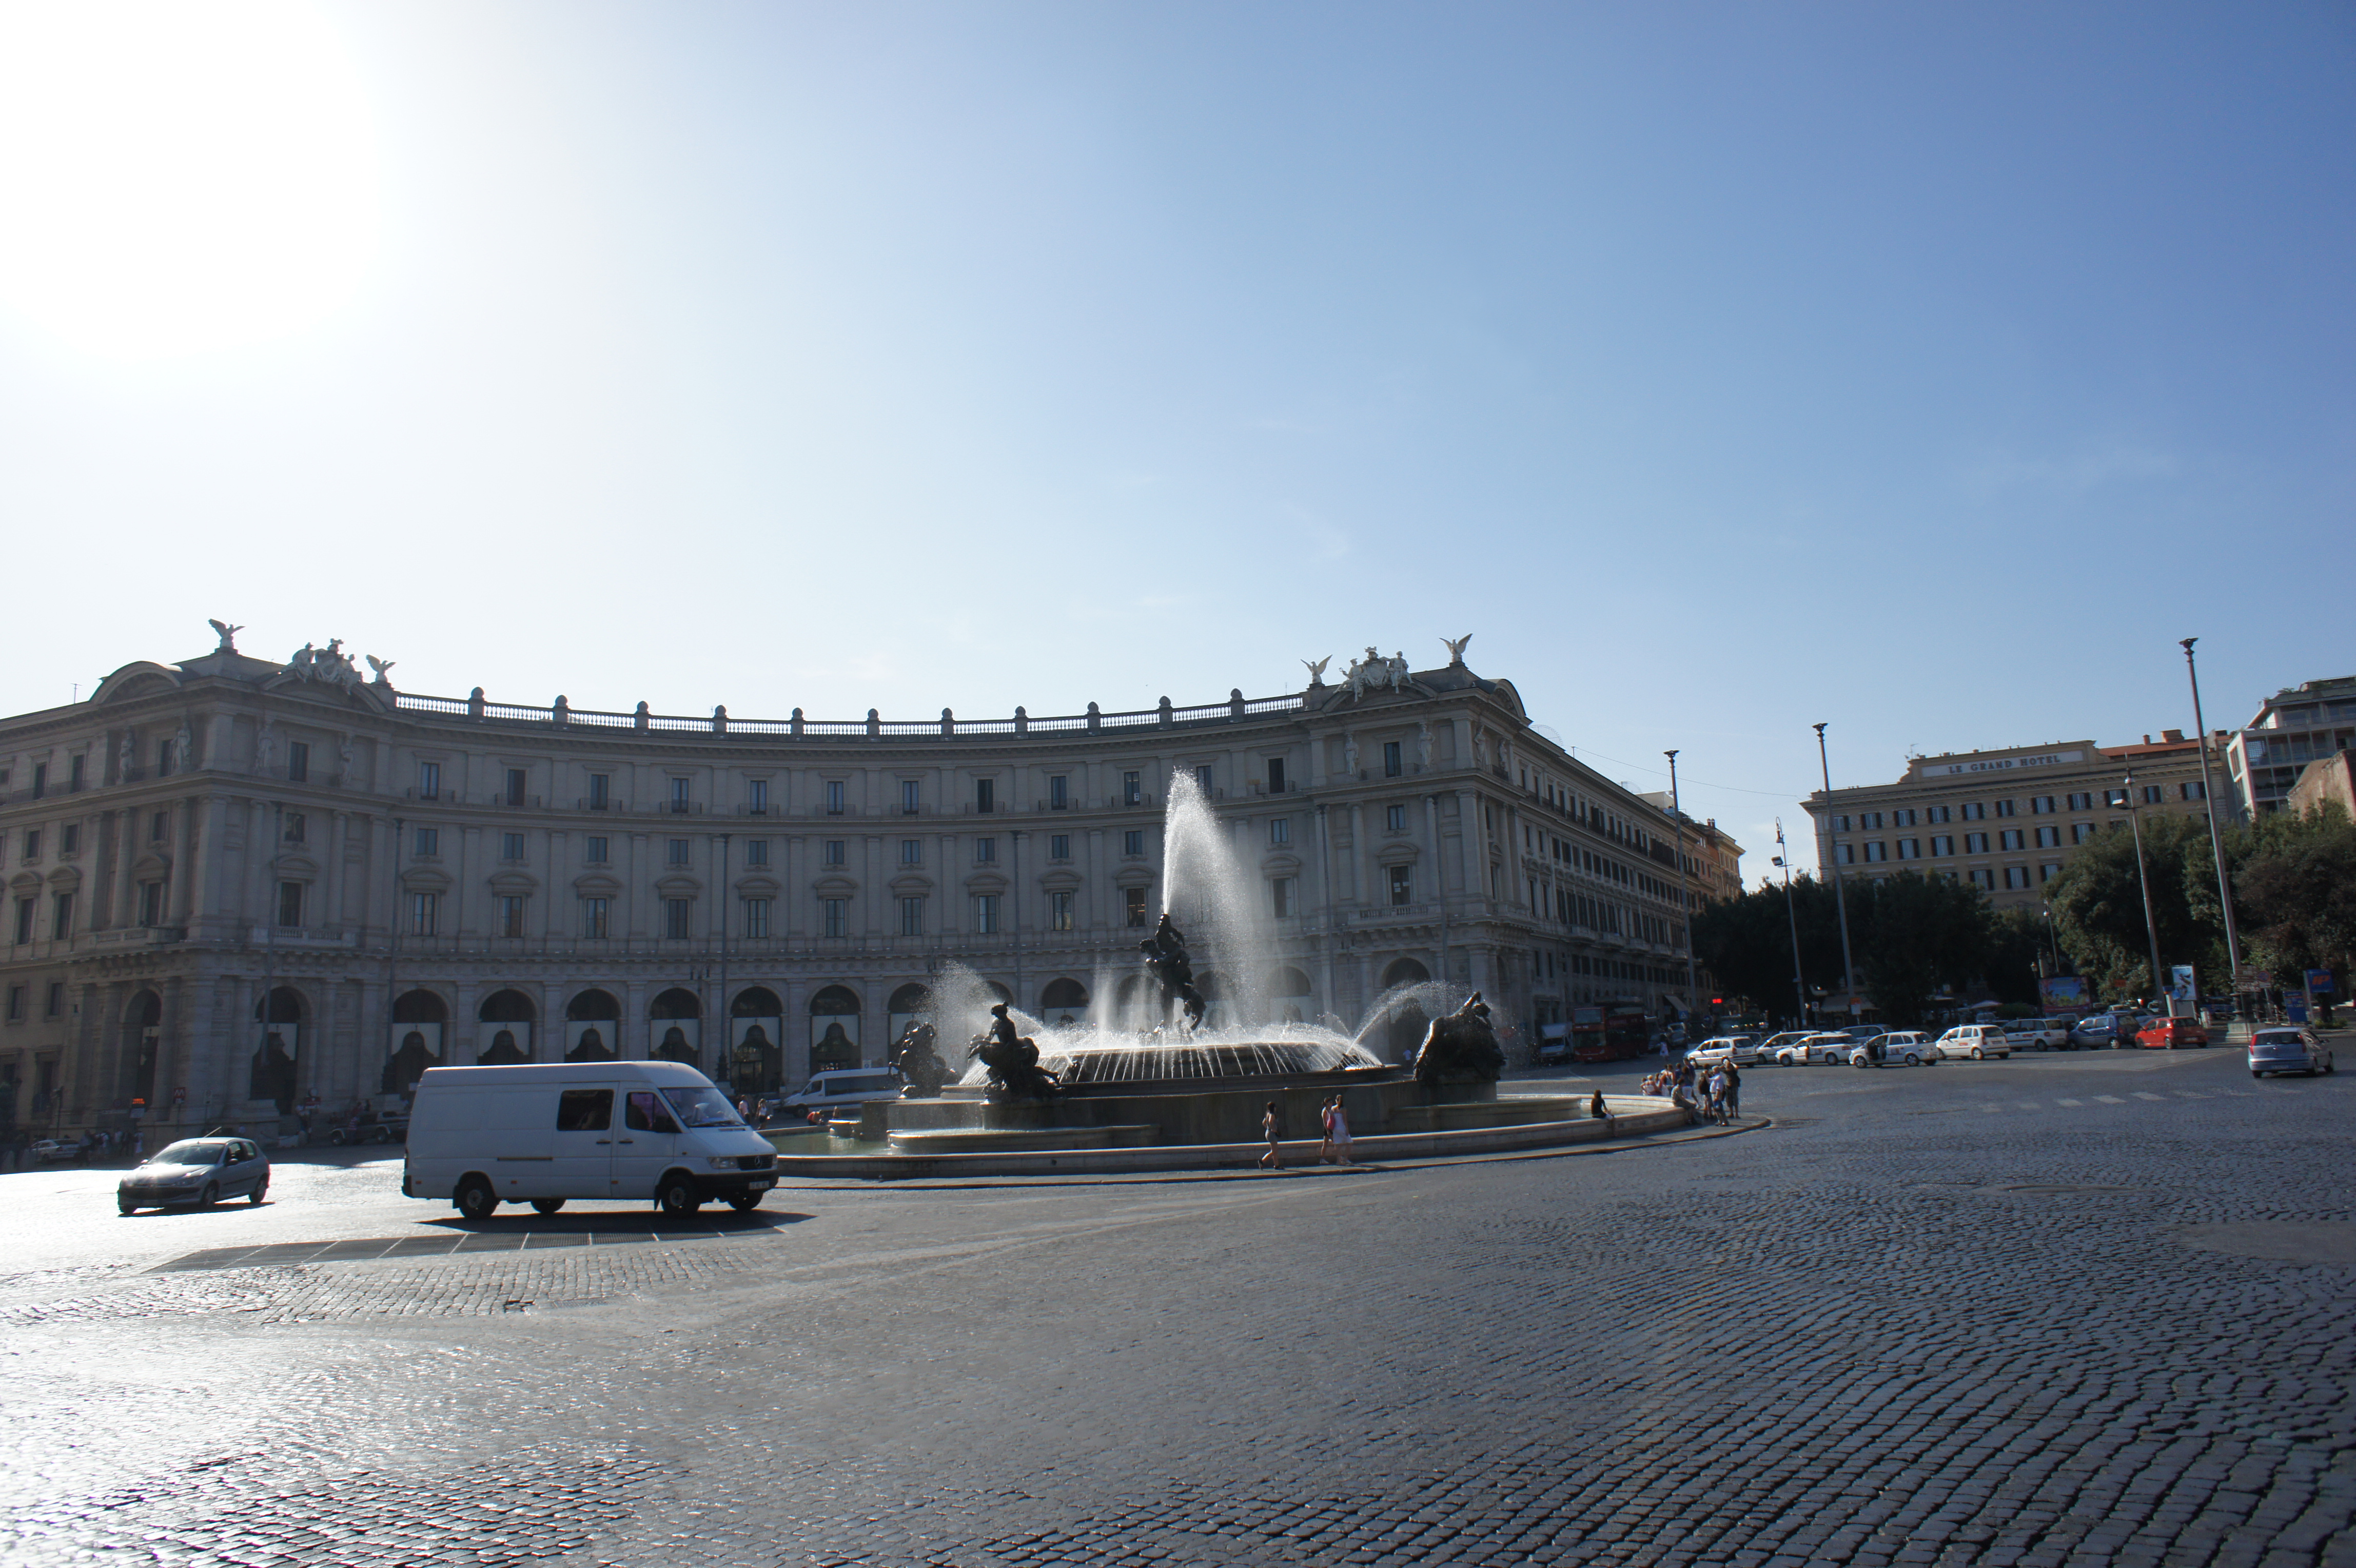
2168	1034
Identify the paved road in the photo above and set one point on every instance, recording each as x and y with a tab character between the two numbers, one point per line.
2087	1308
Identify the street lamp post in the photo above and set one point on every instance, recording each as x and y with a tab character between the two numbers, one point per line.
1840	900
1791	912
2143	880
2216	844
1685	885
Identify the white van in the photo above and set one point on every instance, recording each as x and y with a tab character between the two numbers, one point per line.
481	1136
850	1087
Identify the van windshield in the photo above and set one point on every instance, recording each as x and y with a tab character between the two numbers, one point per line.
703	1108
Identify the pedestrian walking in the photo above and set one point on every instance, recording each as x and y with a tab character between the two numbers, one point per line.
1337	1132
1717	1095
1733	1088
1271	1129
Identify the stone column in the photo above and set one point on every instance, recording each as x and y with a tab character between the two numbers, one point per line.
547	1030
631	1045
111	1068
332	889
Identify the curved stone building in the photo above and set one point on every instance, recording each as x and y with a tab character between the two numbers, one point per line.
235	884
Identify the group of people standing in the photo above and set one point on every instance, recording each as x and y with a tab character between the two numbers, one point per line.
1333	1150
1709	1093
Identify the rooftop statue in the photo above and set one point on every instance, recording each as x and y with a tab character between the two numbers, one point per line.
226	633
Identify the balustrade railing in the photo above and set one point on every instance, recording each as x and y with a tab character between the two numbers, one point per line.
874	727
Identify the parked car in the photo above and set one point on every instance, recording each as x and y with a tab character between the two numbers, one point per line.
1743	1050
1773	1048
2039	1034
2168	1034
1975	1041
2098	1030
844	1086
1898	1047
2287	1051
1818	1050
56	1149
201	1171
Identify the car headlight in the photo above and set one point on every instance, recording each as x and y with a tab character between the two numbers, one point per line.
724	1162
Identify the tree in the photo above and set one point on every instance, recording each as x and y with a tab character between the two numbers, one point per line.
1746	942
2294	889
1914	934
2097	903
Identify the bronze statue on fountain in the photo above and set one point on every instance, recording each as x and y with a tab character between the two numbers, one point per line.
1460	1047
1165	957
917	1063
1013	1062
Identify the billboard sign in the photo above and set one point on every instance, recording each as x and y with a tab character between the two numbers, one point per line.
2181	984
2318	981
2063	994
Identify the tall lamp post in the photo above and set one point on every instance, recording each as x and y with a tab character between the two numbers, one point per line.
2216	844
1685	885
1840	900
2143	880
1791	912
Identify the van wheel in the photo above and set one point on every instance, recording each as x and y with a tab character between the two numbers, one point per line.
678	1195
548	1205
743	1202
475	1198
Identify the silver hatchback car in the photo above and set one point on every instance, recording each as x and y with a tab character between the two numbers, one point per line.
201	1171
2287	1051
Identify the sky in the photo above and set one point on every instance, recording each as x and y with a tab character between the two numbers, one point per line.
1924	370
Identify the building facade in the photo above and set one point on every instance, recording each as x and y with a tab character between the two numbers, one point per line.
2008	821
2298	725
237	885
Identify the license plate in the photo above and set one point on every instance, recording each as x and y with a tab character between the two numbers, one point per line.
759	1186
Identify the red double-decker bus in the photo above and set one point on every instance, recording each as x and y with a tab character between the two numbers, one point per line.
1615	1032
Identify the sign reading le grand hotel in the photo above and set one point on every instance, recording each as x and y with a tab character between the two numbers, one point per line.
240	888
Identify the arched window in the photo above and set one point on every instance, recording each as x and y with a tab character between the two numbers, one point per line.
272	1075
912	998
834	1028
756	1002
834	999
510	1006
420	1007
592	1027
597	1006
999	991
1405	971
1288	982
1064	993
677	1003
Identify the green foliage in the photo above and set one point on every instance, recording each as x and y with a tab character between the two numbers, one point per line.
2295	891
2097	903
1910	935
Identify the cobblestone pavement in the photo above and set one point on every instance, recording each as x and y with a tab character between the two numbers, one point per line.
2090	1308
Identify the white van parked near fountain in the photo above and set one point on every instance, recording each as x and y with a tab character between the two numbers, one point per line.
481	1136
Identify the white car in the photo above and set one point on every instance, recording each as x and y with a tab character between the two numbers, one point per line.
1743	1050
1976	1041
2039	1034
1816	1050
1900	1048
1775	1048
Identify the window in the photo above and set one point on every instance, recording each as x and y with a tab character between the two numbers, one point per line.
1938	813
594	914
23	920
1983	877
911	801
40	779
511	846
2192	790
1840	824
599	849
679	800
1976	843
678	917
159	827
1393	765
424	914
1402	886
1133	841
1974	811
2081	831
643	1111
1395	819
298	762
2082	802
985	913
1059	910
677	851
1909	849
1942	843
1845	855
834	916
1131	794
1132	906
1275	776
2048	838
510	914
2048	871
164	753
985	852
57	1002
756	918
429	780
2011	838
1871	821
151	903
757	797
32	844
2040	805
1905	819
1877	850
600	785
583	1110
16	1004
1280	831
1059	792
74	773
1203	782
1284	890
1059	846
834	852
70	837
515	787
911	852
2153	794
757	852
2016	876
290	903
60	916
985	796
834	797
912	917
2004	808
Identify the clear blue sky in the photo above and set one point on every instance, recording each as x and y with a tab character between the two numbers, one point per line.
1925	369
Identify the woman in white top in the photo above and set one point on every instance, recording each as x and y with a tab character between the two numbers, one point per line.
1337	1131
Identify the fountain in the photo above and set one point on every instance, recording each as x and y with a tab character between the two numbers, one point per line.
1163	1084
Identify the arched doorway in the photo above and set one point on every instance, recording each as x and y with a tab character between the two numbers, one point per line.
419	1018
508	1016
1405	971
279	1047
592	1027
907	1003
757	1031
143	1022
1132	999
834	1028
1403	1035
1290	998
1064	1002
677	1017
